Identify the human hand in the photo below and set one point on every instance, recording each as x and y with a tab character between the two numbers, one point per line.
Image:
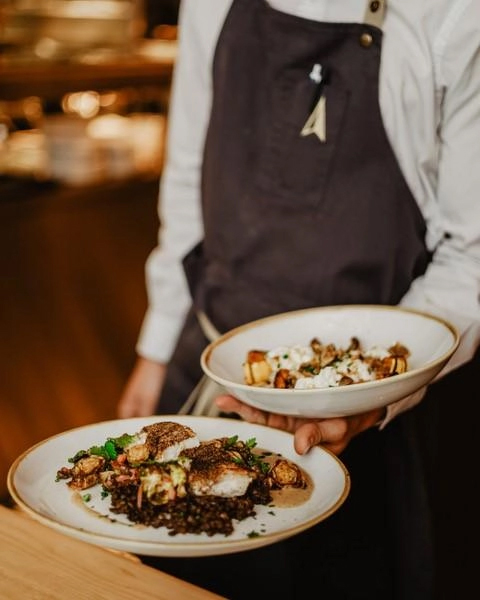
142	390
334	433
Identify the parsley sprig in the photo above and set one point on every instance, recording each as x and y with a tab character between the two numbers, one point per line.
249	457
110	449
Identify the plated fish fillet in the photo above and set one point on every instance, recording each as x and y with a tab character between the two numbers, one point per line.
217	471
163	442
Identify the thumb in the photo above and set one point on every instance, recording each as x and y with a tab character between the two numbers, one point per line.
330	433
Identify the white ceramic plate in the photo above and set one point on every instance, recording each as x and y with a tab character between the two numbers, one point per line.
431	342
32	485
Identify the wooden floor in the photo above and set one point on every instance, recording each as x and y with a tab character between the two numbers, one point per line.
71	304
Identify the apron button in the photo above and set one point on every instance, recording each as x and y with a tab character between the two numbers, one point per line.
366	40
374	5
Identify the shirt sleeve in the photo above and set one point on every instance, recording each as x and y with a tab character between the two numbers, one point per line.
450	288
179	203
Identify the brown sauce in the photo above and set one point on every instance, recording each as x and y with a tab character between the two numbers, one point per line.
77	499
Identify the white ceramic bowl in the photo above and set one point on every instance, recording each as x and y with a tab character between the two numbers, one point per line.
430	340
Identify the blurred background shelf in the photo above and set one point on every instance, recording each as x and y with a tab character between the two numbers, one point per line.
51	81
76	62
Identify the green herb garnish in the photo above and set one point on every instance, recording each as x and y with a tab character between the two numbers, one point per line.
231	441
110	450
253	534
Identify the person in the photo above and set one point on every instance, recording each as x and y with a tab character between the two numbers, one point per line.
319	153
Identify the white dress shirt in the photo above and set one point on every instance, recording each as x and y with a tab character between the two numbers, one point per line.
430	103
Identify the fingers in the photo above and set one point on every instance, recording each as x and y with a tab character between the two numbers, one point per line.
333	433
248	413
281	422
251	414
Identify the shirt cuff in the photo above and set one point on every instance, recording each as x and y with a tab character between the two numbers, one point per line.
158	336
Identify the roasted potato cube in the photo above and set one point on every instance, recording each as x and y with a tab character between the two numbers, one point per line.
256	368
137	454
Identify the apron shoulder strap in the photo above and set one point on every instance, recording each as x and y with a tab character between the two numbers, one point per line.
375	12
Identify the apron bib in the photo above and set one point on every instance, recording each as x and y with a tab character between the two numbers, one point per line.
293	221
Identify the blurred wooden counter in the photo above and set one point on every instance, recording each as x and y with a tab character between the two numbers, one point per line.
72	299
41	563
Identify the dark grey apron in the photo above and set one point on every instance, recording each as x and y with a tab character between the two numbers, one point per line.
294	221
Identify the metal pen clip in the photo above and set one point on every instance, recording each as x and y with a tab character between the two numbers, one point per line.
316	73
316	122
319	76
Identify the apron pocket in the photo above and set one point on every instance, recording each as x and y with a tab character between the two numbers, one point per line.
294	169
